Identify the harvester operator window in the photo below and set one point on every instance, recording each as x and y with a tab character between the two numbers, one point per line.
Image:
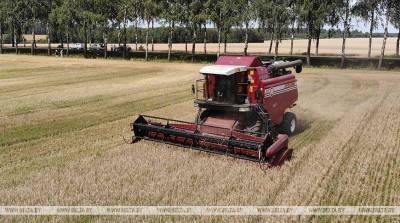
231	89
224	90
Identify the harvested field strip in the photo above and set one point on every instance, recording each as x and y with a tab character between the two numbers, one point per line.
80	77
12	73
65	124
58	105
60	109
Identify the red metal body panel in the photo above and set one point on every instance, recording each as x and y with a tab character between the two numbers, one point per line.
279	93
247	61
274	148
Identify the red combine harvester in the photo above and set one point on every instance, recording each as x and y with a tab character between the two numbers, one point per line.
243	111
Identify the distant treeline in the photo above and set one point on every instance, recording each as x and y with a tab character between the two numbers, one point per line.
181	35
122	21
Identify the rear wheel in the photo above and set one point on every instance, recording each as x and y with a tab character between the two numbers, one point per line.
289	124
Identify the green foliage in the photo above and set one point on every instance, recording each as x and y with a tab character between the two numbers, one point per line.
115	21
161	35
395	18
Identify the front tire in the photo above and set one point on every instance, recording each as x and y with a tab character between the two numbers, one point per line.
289	124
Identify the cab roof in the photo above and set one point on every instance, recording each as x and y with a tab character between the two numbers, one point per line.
222	69
247	61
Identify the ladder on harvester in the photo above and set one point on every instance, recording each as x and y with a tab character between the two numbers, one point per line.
264	116
261	113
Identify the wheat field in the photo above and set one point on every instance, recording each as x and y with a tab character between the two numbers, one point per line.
62	124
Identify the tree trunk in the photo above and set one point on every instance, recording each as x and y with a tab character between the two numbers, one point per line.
67	42
398	44
152	35
12	36
1	38
62	42
105	45
272	40
205	38
342	62
136	36
246	38
194	43
270	45
147	41
371	29
125	37
317	43
48	39
384	40
225	41
291	44
33	37
85	40
186	44
219	33
345	30
276	49
170	41
309	50
292	41
219	41
15	42
89	37
186	39
119	34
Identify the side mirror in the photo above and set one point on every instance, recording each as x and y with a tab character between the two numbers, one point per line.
299	68
193	89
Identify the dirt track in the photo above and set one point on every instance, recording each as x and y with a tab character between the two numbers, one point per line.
62	121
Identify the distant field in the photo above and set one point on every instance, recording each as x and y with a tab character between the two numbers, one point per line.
354	46
62	122
38	37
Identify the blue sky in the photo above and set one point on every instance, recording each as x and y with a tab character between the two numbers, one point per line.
362	26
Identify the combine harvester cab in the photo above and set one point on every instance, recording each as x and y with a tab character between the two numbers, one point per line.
242	111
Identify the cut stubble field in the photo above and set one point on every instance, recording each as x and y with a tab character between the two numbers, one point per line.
62	123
